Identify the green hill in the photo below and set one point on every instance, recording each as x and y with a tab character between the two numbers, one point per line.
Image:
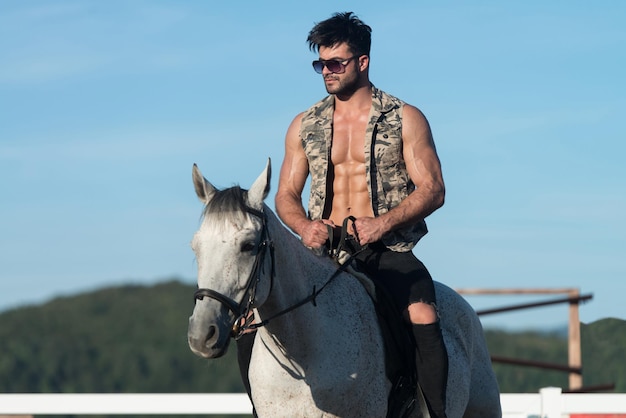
133	339
602	343
122	339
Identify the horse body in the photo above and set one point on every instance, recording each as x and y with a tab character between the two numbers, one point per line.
324	358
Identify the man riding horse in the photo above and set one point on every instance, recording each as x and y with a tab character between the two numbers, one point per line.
371	157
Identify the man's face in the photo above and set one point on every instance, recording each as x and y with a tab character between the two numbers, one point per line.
340	83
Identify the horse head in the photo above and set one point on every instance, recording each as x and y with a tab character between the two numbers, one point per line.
230	248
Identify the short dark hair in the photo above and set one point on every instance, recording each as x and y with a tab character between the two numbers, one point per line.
340	28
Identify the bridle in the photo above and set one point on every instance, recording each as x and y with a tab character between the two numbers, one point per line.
243	308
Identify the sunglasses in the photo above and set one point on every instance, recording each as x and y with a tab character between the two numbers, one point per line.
334	66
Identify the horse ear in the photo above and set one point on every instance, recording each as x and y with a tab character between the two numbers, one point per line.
260	188
204	189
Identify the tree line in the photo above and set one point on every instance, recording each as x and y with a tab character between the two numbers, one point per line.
133	339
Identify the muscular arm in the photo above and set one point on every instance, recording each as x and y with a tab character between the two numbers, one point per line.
424	169
288	200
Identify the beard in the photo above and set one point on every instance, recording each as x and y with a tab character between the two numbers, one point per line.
342	87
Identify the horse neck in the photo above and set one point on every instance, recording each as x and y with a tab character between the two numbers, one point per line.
297	269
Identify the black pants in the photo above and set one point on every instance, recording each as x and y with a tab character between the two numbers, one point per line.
401	274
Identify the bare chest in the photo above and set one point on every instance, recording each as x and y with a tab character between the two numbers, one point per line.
348	139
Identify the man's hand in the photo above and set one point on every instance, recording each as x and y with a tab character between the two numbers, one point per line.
369	229
314	234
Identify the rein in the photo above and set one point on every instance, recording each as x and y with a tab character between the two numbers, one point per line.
311	298
243	313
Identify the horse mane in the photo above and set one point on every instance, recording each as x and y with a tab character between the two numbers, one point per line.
228	206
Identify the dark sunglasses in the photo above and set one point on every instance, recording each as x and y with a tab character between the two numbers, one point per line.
334	66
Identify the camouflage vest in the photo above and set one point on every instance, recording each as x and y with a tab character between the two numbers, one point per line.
387	178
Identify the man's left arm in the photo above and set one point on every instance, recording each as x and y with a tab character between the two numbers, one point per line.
424	169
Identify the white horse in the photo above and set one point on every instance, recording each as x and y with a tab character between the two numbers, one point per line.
318	349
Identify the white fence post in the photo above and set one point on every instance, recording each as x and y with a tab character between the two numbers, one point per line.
551	404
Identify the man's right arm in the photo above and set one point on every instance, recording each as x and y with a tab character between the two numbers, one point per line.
288	200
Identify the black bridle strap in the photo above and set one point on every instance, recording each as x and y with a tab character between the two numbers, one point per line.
237	308
341	243
233	306
344	236
311	298
254	274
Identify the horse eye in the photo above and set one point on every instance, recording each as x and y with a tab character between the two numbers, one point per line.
247	247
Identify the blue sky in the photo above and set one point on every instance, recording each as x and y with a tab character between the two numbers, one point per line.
105	106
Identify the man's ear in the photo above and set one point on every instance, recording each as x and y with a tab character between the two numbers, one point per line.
364	62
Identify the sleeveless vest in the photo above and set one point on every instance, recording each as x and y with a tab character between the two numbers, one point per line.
388	181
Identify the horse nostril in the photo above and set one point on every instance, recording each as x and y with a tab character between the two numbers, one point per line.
211	332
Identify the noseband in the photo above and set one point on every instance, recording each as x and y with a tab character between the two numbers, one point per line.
243	308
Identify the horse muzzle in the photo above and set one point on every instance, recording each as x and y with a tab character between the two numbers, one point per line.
208	340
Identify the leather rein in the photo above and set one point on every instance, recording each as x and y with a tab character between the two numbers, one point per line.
242	310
